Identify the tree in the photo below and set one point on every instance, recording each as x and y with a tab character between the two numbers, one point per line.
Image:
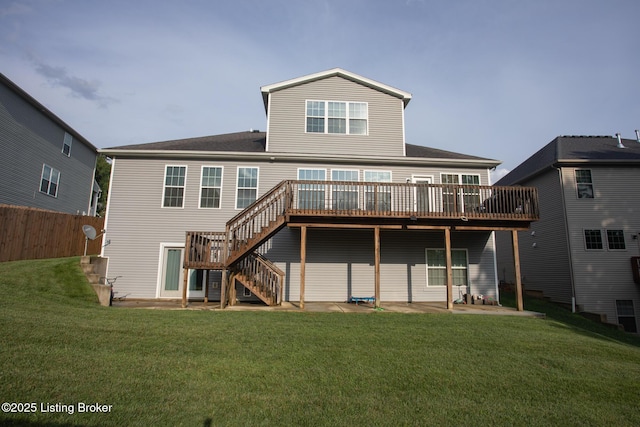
103	173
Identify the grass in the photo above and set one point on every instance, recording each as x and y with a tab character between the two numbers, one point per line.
198	368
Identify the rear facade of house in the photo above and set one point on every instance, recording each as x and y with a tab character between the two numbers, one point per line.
327	135
44	163
580	252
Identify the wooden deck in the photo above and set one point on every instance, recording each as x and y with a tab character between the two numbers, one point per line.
362	204
344	204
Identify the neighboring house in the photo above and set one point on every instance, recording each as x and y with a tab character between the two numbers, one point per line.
44	163
580	250
328	204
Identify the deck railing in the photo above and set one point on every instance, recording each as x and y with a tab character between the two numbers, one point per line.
323	198
204	250
346	199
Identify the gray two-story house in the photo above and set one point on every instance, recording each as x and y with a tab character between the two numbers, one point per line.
44	163
583	251
329	204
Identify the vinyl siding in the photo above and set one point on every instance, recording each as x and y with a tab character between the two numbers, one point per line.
340	264
137	226
545	267
28	139
604	276
287	120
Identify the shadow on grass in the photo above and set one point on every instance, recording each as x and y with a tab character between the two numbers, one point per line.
577	323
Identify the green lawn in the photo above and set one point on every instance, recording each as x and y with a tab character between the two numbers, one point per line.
198	368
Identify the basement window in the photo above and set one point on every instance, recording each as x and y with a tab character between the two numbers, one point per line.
626	315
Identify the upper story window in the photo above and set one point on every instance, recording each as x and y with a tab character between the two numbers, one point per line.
348	118
49	180
210	187
66	144
344	196
247	187
584	184
174	182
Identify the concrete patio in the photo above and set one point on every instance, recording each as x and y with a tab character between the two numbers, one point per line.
337	307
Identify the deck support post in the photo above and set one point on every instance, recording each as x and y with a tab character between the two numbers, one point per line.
232	289
185	283
376	235
206	287
516	262
223	288
447	250
303	262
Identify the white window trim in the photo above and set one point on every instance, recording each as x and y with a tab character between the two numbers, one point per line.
238	188
202	186
381	189
575	182
606	234
326	117
67	140
164	187
44	165
461	194
426	258
602	239
332	190
312	169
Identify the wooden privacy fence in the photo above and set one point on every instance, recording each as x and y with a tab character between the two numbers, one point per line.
28	233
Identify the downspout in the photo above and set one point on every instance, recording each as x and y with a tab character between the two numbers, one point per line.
567	235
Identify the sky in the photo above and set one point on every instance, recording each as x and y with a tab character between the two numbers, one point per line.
493	78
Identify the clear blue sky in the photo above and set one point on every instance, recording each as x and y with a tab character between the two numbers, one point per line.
492	78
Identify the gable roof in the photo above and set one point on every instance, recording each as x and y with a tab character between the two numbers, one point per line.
44	110
575	150
266	90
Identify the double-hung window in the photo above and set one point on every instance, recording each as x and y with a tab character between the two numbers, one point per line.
593	240
615	240
377	197
174	182
311	196
247	187
584	184
437	267
344	196
210	187
49	180
337	117
66	144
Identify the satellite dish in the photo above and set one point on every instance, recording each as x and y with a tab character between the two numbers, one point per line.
89	231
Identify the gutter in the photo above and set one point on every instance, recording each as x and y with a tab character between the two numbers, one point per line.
293	157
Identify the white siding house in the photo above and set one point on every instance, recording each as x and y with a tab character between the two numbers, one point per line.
331	197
